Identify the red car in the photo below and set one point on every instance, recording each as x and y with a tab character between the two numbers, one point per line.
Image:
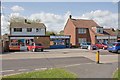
14	46
101	45
35	47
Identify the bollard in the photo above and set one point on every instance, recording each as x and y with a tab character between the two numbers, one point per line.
98	57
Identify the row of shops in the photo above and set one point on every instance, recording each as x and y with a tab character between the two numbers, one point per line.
52	42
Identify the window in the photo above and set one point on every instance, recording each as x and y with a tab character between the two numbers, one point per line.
82	31
99	30
81	40
38	29
29	29
17	29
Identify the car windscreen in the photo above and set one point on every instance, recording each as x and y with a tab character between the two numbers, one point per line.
112	44
88	43
104	43
14	44
38	44
83	44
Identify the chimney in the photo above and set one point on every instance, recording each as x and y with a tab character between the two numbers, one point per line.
70	16
25	20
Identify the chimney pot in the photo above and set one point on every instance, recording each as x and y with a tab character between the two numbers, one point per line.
70	16
25	20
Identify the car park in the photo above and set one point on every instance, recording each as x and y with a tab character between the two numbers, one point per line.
35	47
114	47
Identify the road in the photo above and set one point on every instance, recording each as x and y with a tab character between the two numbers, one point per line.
75	60
15	66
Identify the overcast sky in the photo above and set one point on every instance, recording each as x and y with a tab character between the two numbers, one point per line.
55	14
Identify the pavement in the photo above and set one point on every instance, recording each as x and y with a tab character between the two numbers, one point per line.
93	70
79	61
59	53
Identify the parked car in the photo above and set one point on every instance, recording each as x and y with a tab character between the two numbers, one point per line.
114	47
14	46
85	45
35	47
94	47
102	45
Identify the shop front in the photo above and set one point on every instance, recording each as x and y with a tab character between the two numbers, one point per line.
58	42
106	39
22	42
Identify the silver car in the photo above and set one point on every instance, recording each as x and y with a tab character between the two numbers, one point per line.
85	45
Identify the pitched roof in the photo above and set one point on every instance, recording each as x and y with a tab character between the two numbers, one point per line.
106	32
110	31
27	25
81	23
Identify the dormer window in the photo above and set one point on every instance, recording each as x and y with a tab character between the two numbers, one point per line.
100	30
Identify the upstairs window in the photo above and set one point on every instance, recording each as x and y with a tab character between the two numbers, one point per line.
82	40
17	29
38	29
29	29
81	30
99	30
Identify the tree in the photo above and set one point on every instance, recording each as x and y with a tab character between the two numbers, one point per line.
61	32
48	33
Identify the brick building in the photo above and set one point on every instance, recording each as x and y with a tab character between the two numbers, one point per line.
87	31
118	37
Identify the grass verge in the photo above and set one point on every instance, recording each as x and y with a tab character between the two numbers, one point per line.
50	73
117	74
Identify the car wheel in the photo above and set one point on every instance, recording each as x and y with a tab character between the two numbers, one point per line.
27	49
41	50
109	51
103	48
33	50
118	51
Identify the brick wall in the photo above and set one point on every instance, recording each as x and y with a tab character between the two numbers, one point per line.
86	35
0	47
92	36
44	40
70	30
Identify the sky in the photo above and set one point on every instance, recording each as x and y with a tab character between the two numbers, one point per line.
55	14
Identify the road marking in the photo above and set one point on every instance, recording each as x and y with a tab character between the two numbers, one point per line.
41	69
13	74
37	69
7	71
23	69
